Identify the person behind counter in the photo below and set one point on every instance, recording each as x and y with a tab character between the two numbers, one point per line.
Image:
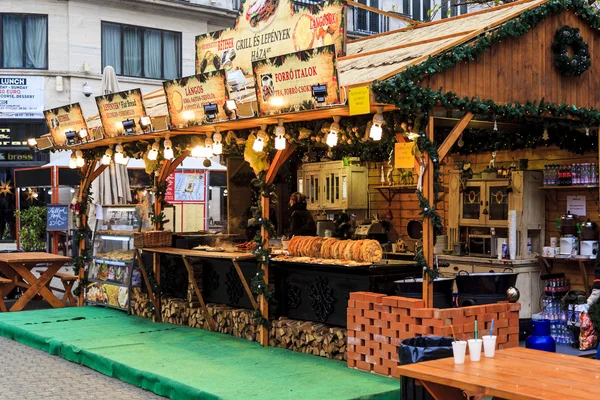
302	222
595	295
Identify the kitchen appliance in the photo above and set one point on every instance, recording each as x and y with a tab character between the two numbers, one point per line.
568	224
569	245
483	288
589	231
483	245
588	248
325	225
371	230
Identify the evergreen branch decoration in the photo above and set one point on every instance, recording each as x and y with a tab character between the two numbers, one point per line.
565	38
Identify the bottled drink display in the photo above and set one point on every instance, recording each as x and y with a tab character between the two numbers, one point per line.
559	329
585	174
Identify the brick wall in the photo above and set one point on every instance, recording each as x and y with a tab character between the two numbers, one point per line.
378	323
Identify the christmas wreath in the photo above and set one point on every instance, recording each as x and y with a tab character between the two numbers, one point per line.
577	64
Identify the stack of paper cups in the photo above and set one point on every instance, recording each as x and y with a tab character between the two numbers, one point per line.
512	234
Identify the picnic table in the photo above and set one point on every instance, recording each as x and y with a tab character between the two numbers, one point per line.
16	267
514	373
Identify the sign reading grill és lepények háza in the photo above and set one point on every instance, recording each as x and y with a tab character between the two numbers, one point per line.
264	29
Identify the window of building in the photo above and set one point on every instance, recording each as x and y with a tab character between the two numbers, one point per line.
24	41
141	52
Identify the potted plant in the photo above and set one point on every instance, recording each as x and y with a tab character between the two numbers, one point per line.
32	235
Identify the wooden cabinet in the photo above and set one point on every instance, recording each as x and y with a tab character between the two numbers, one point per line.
333	186
485	203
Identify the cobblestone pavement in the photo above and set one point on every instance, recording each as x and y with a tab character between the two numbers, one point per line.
30	374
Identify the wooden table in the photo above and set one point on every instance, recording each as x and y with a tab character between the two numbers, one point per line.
515	373
18	266
185	254
546	265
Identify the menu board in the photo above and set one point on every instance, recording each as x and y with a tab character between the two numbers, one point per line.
118	107
187	96
284	83
57	217
186	186
64	119
268	28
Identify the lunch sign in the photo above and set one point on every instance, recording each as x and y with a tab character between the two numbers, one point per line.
284	83
265	29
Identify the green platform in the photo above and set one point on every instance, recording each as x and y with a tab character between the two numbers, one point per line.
186	363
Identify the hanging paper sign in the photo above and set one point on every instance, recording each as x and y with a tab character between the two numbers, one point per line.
285	83
576	205
186	98
65	123
268	28
404	156
120	112
359	100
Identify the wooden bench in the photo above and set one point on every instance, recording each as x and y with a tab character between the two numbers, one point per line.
67	280
3	281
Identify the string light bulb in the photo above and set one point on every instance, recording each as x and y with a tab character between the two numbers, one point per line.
217	145
208	145
153	153
332	136
376	131
120	157
168	149
80	161
107	157
280	135
73	161
198	149
261	138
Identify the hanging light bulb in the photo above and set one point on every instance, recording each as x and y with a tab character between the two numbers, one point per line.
261	138
280	135
378	121
79	159
73	161
168	149
119	153
495	124
208	145
332	136
153	153
217	145
198	149
107	157
587	131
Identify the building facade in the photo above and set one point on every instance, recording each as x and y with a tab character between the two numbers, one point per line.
53	52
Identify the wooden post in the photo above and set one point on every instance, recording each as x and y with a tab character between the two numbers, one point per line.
263	333
428	231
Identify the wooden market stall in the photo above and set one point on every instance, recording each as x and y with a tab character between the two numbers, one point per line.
462	88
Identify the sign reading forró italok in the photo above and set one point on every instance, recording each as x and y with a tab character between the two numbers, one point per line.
63	120
118	107
284	83
268	28
187	96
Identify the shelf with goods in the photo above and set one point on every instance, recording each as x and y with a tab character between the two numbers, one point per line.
113	272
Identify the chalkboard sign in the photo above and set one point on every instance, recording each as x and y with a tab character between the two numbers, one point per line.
57	217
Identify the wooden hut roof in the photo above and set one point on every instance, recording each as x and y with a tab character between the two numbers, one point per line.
381	56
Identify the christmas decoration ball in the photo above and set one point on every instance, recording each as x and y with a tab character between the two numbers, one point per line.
206	163
566	34
513	294
574	62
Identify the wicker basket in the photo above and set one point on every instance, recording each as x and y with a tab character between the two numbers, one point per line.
152	239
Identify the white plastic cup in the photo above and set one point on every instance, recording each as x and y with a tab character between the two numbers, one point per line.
553	242
489	345
475	349
459	349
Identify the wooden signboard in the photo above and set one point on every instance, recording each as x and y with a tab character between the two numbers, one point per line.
268	28
57	217
65	121
115	108
284	83
187	96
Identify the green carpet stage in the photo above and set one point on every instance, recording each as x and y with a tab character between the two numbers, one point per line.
187	363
